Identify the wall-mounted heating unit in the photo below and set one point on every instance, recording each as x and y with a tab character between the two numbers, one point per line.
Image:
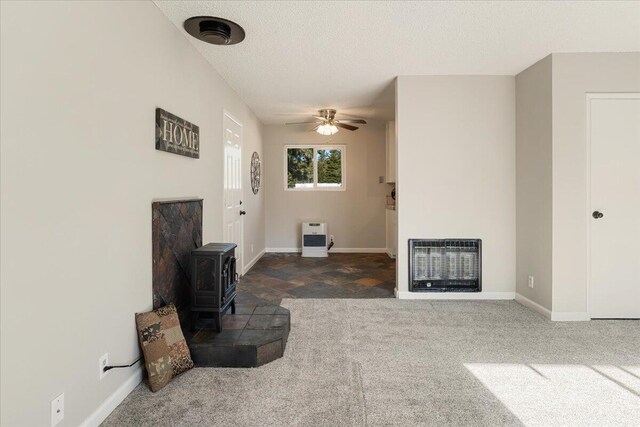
445	265
314	239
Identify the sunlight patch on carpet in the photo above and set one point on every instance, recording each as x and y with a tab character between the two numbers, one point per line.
564	394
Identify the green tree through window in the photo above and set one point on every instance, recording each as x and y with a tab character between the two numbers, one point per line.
327	161
329	166
299	167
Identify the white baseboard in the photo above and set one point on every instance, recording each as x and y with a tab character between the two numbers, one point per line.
333	250
253	261
391	254
358	250
456	295
107	407
533	305
556	316
569	316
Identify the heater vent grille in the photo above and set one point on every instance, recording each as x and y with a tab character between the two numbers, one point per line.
445	265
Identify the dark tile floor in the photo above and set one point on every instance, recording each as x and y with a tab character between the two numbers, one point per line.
278	276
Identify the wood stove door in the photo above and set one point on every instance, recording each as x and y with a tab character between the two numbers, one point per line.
224	280
228	285
233	272
206	282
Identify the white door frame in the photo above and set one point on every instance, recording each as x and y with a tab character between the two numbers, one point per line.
225	112
587	212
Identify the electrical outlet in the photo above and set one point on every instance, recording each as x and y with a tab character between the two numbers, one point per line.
331	238
380	179
57	410
531	281
102	363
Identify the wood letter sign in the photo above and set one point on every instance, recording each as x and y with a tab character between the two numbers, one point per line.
176	135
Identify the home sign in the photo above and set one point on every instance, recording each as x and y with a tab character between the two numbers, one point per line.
176	135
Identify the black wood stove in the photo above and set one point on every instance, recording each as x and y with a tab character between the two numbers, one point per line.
213	281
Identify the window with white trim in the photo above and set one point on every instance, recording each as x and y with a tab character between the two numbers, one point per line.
315	167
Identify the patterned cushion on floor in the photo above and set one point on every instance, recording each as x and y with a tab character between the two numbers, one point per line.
165	350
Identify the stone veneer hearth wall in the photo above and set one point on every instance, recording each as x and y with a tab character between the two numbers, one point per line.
177	230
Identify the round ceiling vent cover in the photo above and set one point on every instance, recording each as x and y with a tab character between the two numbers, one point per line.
214	30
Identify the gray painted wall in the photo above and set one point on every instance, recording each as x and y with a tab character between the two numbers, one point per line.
574	75
552	171
356	217
78	173
456	168
533	182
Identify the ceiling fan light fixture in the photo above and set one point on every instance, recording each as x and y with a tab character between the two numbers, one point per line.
327	129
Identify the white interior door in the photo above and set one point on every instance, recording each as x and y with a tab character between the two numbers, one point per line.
232	196
614	133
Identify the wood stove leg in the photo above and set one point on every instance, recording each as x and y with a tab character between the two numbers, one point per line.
217	319
194	320
233	306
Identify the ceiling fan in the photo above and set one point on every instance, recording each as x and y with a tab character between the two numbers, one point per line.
327	124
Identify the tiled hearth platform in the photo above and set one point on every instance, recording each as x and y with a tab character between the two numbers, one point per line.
255	335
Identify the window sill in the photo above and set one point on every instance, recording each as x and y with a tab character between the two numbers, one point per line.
314	189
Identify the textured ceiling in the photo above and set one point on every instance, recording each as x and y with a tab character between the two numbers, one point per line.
299	56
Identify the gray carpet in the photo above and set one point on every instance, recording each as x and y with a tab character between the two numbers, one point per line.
436	363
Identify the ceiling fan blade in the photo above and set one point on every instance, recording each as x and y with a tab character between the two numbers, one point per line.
319	117
358	121
349	127
302	123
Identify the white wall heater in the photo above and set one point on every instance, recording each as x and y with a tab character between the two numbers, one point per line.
314	239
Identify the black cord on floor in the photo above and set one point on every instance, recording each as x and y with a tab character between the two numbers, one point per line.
108	368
